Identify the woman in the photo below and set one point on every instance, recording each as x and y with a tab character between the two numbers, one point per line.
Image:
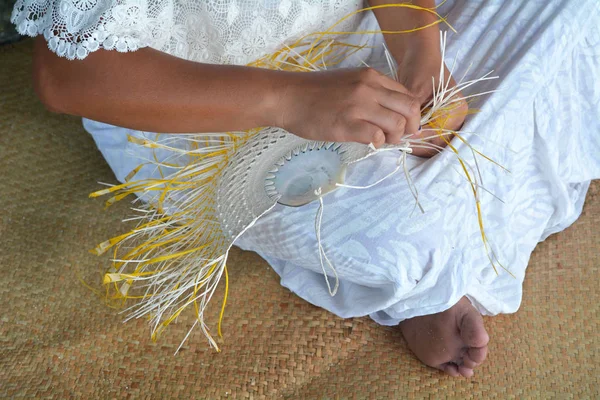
427	273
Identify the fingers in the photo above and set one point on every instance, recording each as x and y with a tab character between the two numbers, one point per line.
393	85
405	105
364	132
393	96
396	114
392	123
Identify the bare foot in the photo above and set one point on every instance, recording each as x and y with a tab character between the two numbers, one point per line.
454	341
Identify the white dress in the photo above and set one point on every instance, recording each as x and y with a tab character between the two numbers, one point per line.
542	124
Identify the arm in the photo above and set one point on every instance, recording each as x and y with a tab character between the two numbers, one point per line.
153	91
418	56
417	53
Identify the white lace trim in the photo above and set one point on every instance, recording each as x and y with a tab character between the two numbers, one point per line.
212	31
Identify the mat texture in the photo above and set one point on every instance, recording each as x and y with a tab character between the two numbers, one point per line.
58	339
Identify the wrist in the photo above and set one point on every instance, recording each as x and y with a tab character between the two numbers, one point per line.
415	45
410	21
280	97
270	89
418	61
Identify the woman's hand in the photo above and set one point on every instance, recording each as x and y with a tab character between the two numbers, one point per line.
419	58
349	105
415	72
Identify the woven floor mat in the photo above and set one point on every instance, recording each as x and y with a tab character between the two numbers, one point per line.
58	339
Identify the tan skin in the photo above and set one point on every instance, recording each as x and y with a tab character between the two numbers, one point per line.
152	91
418	56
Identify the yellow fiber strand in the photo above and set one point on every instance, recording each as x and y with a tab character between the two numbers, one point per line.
438	124
224	303
319	35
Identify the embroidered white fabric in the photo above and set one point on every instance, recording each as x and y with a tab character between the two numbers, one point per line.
210	31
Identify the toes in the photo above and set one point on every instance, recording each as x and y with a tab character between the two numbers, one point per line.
472	331
477	354
464	371
455	371
469	363
451	369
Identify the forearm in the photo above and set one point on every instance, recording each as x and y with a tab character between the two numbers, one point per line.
153	91
403	45
418	56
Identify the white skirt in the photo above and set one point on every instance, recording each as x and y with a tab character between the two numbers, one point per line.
542	124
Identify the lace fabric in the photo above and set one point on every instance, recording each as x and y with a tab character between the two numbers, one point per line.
210	31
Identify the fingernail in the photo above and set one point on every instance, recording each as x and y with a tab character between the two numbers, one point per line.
419	127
